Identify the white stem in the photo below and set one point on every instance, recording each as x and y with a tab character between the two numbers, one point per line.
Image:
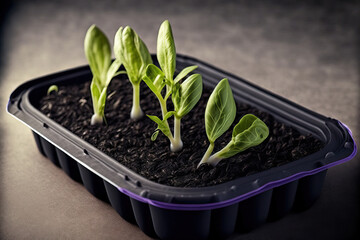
163	107
96	119
216	157
177	135
207	154
175	144
136	112
214	160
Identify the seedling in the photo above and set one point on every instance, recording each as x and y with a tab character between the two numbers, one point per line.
98	54
132	52
52	88
219	115
184	94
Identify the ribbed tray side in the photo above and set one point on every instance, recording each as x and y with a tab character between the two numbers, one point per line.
203	224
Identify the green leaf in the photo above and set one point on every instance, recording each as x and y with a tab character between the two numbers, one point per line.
132	52
184	72
166	52
162	126
155	119
112	71
155	135
98	53
190	94
118	43
168	114
176	95
102	101
95	95
151	85
144	54
245	123
120	72
249	132
220	110
130	56
154	78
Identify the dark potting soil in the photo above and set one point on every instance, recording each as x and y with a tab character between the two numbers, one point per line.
129	142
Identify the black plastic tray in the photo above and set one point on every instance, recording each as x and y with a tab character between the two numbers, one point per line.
191	213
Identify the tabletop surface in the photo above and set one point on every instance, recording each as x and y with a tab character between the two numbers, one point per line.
307	52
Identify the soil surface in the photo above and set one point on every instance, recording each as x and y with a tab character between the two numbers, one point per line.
129	142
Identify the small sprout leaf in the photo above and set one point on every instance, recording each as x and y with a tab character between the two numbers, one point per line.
120	72
169	114
132	52
95	94
155	119
220	110
245	123
151	85
52	88
130	55
162	126
144	54
102	100
249	132
155	135
184	73
118	44
112	71
189	93
155	76
176	96
166	52
98	52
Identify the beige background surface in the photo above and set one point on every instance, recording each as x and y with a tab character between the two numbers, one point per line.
308	53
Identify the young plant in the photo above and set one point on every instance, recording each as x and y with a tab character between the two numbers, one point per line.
131	51
219	115
52	88
184	94
98	54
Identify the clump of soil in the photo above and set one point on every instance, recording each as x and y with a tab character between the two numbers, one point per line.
128	141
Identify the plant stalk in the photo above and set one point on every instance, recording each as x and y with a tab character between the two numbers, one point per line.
216	157
223	150
207	154
177	144
136	112
163	108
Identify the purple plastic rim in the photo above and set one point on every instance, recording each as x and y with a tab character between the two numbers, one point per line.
265	187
